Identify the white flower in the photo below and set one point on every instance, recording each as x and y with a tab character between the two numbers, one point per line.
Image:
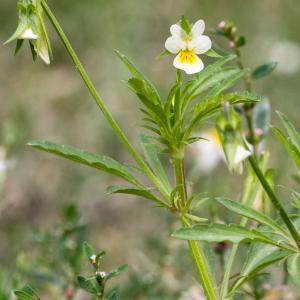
187	46
28	34
93	258
208	153
241	154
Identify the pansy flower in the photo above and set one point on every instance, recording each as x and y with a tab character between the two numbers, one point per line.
187	44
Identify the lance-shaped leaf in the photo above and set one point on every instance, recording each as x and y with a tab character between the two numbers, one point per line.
263	70
207	107
288	145
289	127
221	233
252	214
26	293
132	191
293	267
103	163
151	155
139	75
116	272
260	256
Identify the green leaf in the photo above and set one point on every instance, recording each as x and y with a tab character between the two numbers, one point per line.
259	257
26	293
263	70
252	214
207	107
103	163
139	75
131	191
227	83
293	267
221	233
117	271
185	24
89	284
291	130
112	295
212	53
151	155
289	146
88	250
210	71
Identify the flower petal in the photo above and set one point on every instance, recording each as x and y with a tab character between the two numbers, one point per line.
28	35
241	154
200	44
174	44
176	30
198	28
189	68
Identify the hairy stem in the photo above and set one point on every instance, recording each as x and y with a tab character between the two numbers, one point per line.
276	202
205	277
91	88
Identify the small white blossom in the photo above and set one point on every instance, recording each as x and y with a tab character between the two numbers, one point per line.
28	34
241	154
187	46
93	258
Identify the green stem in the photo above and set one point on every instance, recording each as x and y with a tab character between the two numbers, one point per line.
90	86
292	229
205	277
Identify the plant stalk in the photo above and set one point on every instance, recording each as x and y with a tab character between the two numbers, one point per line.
205	277
91	88
276	202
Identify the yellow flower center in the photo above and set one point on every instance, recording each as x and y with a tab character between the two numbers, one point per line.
187	56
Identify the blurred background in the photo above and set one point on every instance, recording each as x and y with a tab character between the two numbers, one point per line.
50	102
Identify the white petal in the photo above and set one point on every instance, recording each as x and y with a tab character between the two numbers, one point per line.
189	68
174	44
200	44
241	154
198	28
28	35
44	55
176	30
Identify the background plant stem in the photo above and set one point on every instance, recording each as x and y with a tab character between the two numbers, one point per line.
205	277
90	86
292	229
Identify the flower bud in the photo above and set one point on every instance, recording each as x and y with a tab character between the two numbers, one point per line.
31	27
229	129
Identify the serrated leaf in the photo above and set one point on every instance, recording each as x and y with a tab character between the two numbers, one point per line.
151	155
263	70
251	214
117	271
26	293
101	162
221	233
293	267
88	250
89	284
132	191
138	74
